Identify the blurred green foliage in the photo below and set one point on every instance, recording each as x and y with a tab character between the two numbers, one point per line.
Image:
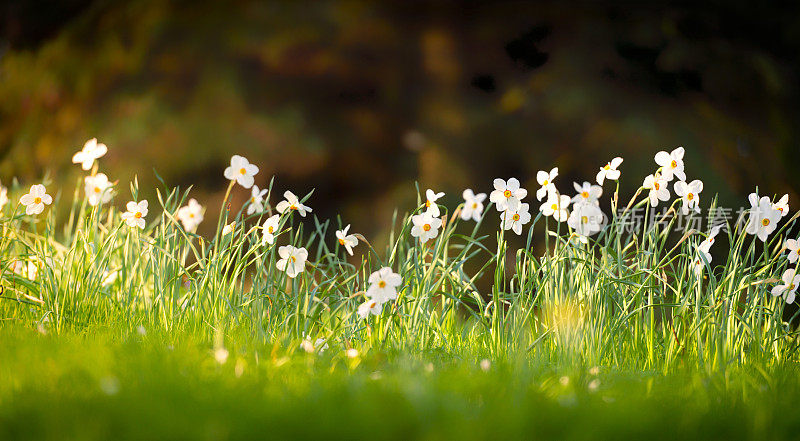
360	99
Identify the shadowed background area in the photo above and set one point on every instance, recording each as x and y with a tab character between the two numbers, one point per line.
358	100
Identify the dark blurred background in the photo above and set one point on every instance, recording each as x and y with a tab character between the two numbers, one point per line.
360	99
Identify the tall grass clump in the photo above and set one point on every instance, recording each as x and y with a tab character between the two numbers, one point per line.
636	288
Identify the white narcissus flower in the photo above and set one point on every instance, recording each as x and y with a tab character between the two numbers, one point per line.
671	164
711	238
3	197
292	203
91	151
348	241
425	226
793	246
369	307
586	219
545	180
191	215
241	171
764	217
556	206
473	205
36	199
135	214
788	290
97	188
256	200
292	260
690	193
609	171
698	265
430	202
515	219
507	195
658	188
383	285
782	205
228	229
587	193
269	230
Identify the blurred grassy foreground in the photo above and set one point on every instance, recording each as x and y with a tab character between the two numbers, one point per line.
101	385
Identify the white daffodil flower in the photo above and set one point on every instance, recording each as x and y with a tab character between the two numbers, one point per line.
191	215
545	180
507	195
27	269
269	230
690	193
763	217
515	219
473	205
36	199
91	151
793	246
698	265
292	203
425	226
711	238
228	229
348	241
671	164
586	219
3	197
587	193
256	200
609	171
241	171
369	307
791	280
556	206
658	188
383	285
782	205
430	202
97	189
292	260
135	214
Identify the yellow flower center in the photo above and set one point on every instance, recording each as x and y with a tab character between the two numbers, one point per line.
780	209
428	203
270	229
293	207
252	200
656	185
515	217
38	200
607	167
554	207
138	215
97	190
242	171
474	205
191	215
292	259
690	196
545	182
765	222
674	163
585	194
507	193
584	220
381	284
341	242
791	286
426	227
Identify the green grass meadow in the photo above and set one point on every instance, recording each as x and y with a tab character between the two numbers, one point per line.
125	324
